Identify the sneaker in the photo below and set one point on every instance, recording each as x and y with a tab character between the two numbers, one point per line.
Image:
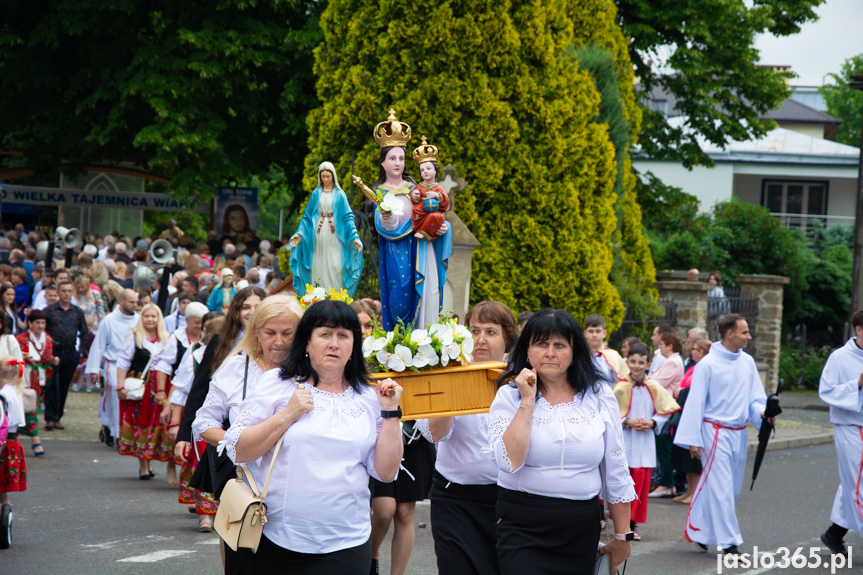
731	550
702	548
836	545
635	535
76	388
375	567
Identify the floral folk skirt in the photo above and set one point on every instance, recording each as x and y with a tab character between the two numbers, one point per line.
205	503
13	467
141	434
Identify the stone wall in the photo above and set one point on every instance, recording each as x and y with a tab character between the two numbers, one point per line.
768	289
691	300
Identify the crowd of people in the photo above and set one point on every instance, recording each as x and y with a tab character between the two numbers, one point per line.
577	435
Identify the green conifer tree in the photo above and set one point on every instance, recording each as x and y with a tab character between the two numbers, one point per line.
493	84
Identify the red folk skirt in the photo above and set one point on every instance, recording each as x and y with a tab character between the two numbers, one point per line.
141	434
13	467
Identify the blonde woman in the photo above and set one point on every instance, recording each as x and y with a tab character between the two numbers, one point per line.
139	420
13	466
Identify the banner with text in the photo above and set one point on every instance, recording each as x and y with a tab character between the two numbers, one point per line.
68	197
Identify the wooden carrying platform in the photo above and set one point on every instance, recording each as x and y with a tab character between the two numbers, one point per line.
447	391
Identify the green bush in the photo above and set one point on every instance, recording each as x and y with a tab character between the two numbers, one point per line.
814	360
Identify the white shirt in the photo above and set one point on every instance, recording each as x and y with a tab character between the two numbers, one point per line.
838	386
319	499
463	454
601	364
641	445
568	442
168	356
727	389
16	407
174	321
658	359
111	335
226	393
124	360
181	383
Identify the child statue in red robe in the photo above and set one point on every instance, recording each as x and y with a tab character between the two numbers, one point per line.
429	198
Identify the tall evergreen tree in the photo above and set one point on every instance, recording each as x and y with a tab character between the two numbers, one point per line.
493	84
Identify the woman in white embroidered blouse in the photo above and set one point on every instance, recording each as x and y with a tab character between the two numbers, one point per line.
337	431
464	487
550	430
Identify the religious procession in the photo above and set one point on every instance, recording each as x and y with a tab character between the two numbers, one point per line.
338	288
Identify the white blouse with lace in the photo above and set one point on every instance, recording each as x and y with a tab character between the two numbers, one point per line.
181	385
318	499
567	444
463	454
226	393
124	360
168	355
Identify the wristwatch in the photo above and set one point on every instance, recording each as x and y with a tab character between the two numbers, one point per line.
625	536
388	414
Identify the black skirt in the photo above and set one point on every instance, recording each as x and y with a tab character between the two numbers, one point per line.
680	458
546	535
271	559
419	459
463	526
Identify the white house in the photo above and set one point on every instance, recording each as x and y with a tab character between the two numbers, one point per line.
796	171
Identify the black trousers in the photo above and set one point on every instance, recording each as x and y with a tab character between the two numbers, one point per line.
546	535
274	560
57	389
463	527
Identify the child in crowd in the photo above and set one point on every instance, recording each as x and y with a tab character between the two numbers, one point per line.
606	360
644	408
13	467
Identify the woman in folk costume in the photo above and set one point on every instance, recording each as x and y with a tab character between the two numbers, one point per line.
200	502
37	348
181	341
326	250
645	406
138	436
13	466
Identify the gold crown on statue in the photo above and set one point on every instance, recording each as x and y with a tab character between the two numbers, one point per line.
392	132
425	152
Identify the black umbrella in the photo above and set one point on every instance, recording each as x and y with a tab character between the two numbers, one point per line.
771	410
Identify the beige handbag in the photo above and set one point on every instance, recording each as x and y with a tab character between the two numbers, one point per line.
135	386
242	511
30	399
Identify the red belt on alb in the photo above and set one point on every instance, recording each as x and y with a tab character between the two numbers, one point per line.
708	464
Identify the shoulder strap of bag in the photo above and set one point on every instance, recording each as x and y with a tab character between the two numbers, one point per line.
602	467
245	376
147	367
244	467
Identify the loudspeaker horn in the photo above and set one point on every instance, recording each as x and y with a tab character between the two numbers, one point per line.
161	251
42	250
144	277
68	237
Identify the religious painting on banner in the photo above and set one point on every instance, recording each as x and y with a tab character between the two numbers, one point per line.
237	214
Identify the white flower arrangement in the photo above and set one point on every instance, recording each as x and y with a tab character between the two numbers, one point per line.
403	348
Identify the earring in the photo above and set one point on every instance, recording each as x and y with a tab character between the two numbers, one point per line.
307	354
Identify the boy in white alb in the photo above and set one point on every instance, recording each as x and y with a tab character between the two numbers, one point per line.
606	360
840	388
645	406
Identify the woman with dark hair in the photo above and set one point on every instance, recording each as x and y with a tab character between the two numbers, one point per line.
464	487
337	430
555	431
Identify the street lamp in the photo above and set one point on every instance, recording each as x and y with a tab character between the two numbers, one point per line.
856	295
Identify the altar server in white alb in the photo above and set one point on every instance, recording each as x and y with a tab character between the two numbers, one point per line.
840	388
726	394
104	351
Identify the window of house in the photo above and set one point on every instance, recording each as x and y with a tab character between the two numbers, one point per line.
805	198
661	106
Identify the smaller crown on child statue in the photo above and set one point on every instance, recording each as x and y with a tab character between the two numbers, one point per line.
425	152
392	132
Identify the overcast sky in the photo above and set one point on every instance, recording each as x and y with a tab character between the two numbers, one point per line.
822	46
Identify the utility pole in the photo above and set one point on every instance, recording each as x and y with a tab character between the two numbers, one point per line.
857	289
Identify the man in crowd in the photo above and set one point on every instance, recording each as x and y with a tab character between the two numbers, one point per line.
104	351
692	275
606	360
66	325
726	393
692	336
840	388
177	319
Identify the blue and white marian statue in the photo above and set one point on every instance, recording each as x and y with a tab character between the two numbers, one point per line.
326	250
